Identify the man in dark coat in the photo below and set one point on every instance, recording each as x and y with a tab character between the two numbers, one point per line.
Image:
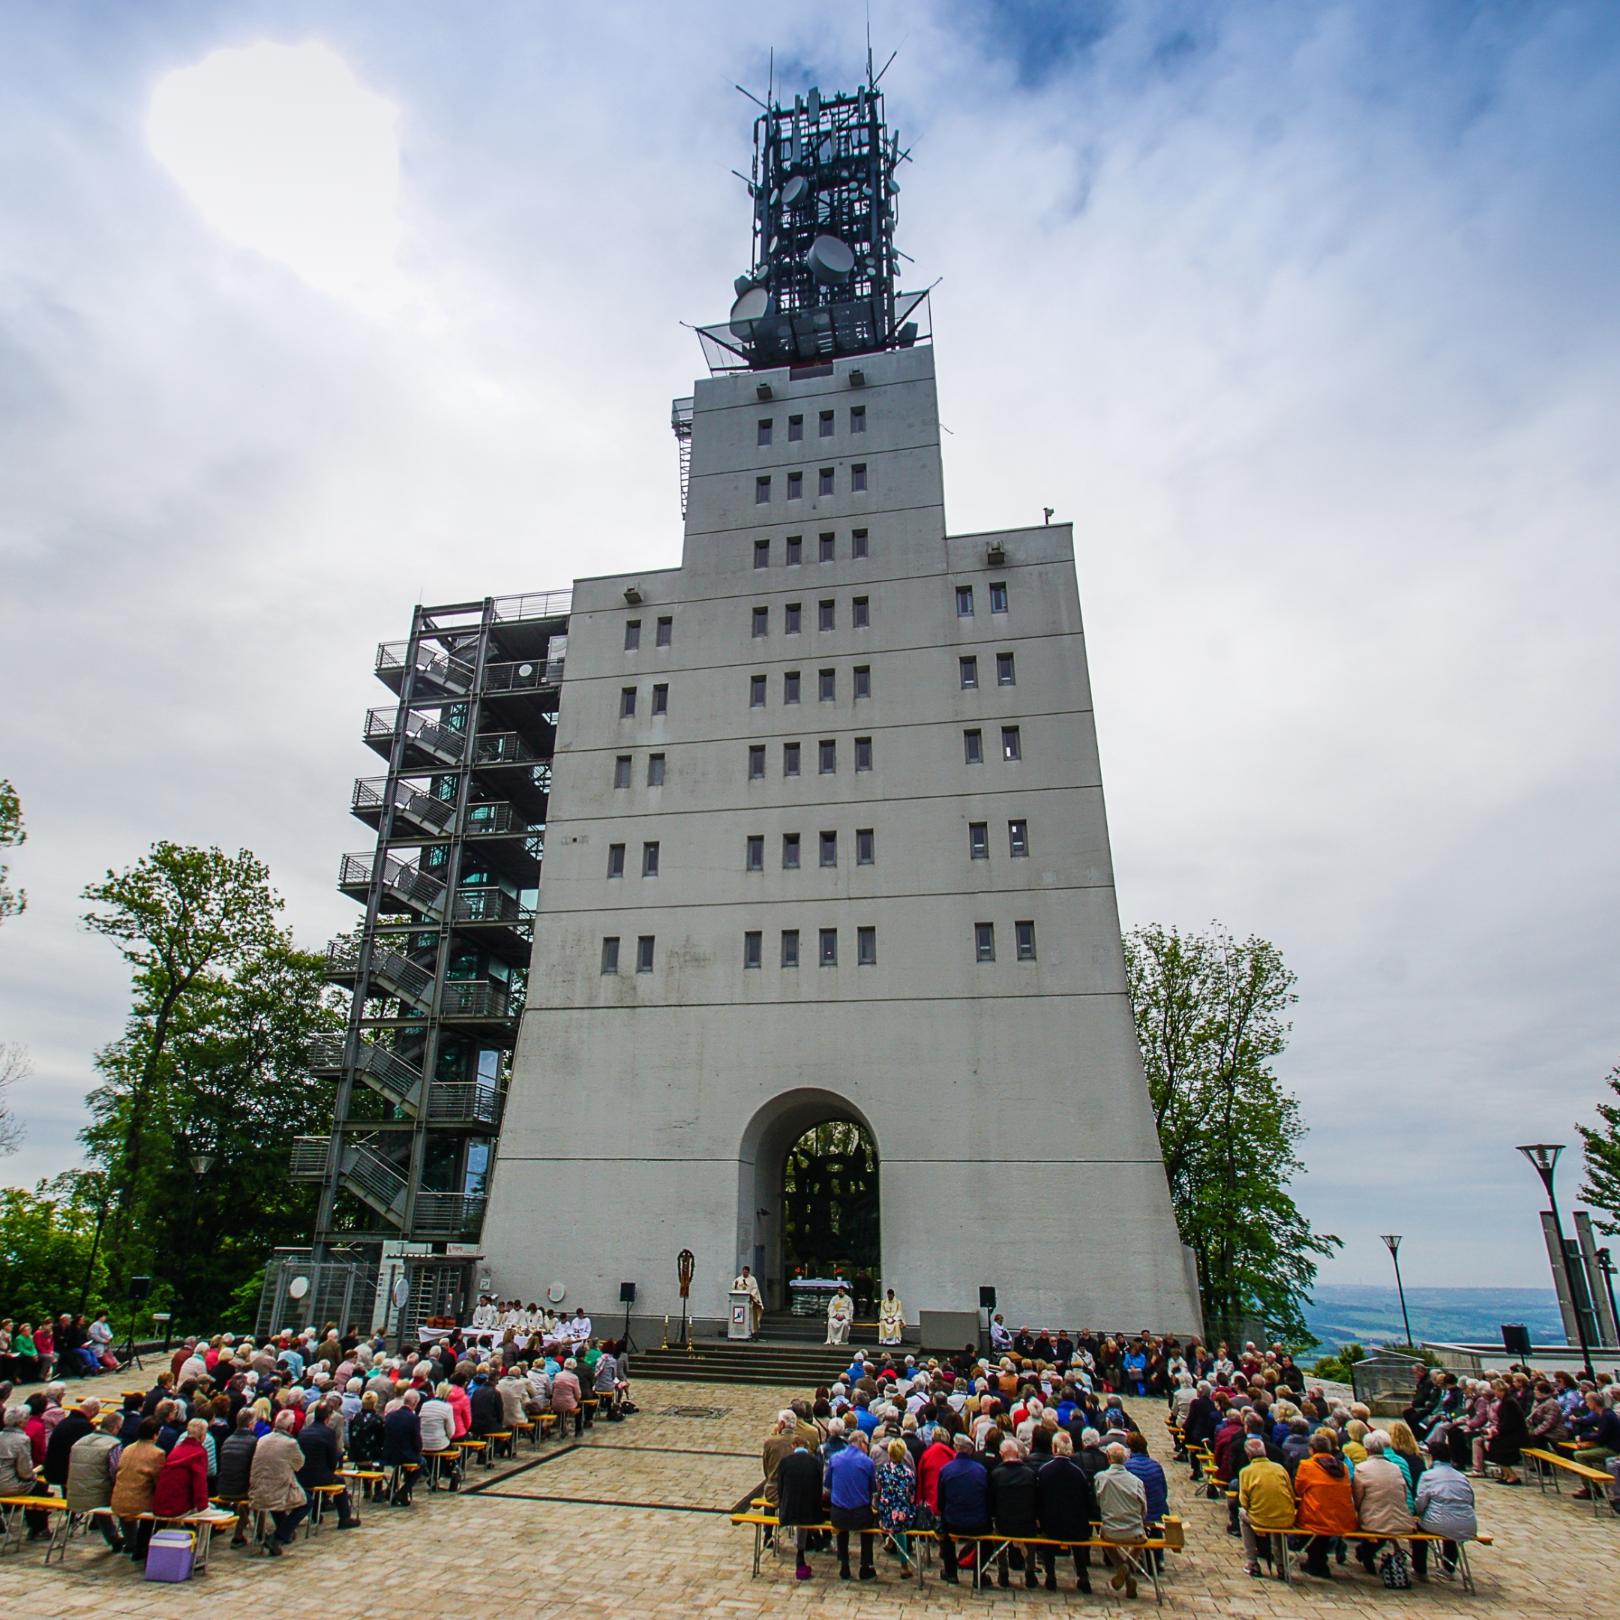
1066	1505
73	1427
322	1457
798	1498
964	1503
402	1443
1012	1508
234	1483
488	1410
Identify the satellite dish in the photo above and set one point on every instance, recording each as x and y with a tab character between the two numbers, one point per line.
830	259
555	1293
298	1287
402	1292
749	307
795	191
525	671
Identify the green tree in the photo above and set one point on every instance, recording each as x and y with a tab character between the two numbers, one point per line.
12	833
1211	1017
180	916
47	1248
1602	1144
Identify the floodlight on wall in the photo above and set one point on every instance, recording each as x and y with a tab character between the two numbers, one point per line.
857	377
996	555
763	390
632	594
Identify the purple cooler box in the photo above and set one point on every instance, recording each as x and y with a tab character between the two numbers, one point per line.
169	1556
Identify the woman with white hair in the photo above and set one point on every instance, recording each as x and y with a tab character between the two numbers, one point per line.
273	1486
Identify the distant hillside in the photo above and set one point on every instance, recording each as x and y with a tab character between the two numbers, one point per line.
1367	1314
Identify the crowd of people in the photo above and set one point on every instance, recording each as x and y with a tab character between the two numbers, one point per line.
258	1426
66	1346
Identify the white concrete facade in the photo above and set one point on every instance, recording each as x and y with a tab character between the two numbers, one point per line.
650	1111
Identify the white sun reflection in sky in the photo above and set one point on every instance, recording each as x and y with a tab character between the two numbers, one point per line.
285	152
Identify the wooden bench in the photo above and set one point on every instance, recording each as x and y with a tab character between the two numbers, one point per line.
478	1448
1568	1465
319	1496
500	1443
436	1461
400	1475
528	1430
12	1520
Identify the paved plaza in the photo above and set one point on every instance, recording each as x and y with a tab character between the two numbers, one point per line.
632	1520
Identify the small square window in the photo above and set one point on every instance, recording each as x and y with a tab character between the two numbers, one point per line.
762	554
998	598
968	670
827	615
858	543
824	481
756	762
764	431
790	759
615	860
828	548
984	942
860	612
795	486
621	771
790	686
753	948
973	747
790	852
865	847
1011	745
649	859
790	947
754	860
863	753
1018	838
644	954
627	702
794	549
857	477
632	634
866	947
762	489
1006	673
655	770
829	849
760	623
826	424
666	632
979	840
827	686
857	419
792	618
756	691
828	953
795	429
863	681
964	601
660	704
828	756
610	953
1025	932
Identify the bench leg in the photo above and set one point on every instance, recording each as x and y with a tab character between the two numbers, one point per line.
1463	1571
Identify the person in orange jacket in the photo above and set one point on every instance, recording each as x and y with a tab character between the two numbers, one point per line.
1326	1506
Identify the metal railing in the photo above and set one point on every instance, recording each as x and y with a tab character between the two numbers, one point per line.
490	906
493	819
374	1177
440	741
397	973
443	1214
309	1158
470	1100
504	748
326	1052
532	675
533	605
474	998
402	879
437	665
376	793
391	1073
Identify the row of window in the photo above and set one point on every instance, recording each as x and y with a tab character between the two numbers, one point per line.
663	637
753	953
826	426
826	758
649	859
826	685
627	700
964	599
860	616
826	846
1006	671
826	549
826	482
655	770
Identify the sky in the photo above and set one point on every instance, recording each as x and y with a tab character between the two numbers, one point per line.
1305	316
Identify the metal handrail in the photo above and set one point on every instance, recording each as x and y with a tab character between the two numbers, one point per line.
457	1099
474	998
377	792
391	969
444	668
447	1214
504	748
529	675
490	906
402	878
309	1157
326	1051
428	734
373	1176
391	1072
533	605
495	817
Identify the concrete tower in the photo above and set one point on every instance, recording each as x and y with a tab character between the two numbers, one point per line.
826	842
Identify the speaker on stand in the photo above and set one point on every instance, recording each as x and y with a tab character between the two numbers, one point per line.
987	1304
140	1288
627	1298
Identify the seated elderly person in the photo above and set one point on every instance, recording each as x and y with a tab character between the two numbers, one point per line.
1266	1505
1378	1488
323	1456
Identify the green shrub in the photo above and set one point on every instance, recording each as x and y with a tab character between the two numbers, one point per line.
1336	1367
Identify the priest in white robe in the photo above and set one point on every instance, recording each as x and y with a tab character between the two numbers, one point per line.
748	1284
891	1319
840	1318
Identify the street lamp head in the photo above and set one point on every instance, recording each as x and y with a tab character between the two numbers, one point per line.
202	1163
1544	1156
1392	1241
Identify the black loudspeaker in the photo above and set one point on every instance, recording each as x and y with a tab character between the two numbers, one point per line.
139	1288
987	1298
1516	1340
627	1293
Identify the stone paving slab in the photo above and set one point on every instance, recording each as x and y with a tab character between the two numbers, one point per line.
533	1538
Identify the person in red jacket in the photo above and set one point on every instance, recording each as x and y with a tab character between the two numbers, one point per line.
1326	1507
935	1455
182	1486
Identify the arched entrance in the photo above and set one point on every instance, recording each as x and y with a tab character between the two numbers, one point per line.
828	1195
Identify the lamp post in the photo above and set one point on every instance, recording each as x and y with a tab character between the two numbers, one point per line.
1544	1156
202	1161
1606	1266
1392	1242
